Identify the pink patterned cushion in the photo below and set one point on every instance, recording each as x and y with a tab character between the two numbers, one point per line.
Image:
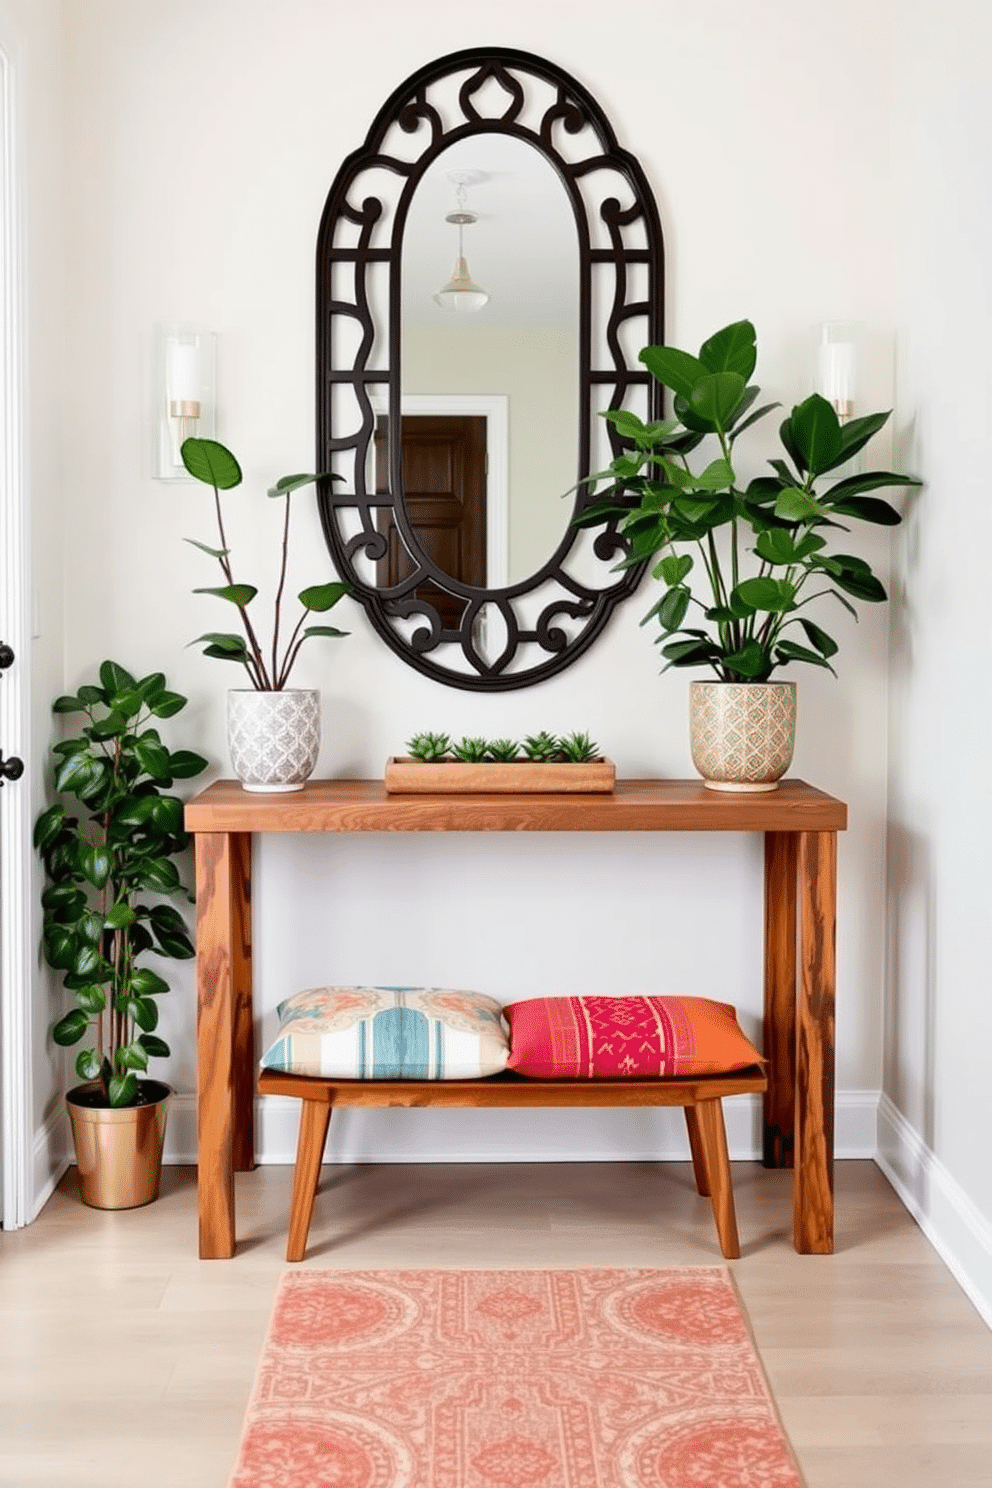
561	1038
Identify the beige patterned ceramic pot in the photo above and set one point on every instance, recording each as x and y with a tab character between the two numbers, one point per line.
742	733
273	737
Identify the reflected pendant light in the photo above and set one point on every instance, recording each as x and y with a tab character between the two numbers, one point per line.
461	294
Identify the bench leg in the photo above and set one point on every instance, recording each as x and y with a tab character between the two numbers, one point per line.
315	1119
696	1148
714	1145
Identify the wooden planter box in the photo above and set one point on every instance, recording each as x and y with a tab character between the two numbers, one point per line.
407	776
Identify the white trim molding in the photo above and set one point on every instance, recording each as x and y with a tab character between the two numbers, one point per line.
957	1230
16	1090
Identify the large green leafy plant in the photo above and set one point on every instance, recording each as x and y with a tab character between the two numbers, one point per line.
268	667
104	863
760	554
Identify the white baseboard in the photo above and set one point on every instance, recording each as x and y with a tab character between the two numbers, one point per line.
535	1135
957	1230
50	1156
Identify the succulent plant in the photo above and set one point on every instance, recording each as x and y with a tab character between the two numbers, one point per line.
429	747
541	747
578	747
503	751
470	750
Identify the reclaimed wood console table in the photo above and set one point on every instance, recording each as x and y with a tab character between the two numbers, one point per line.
800	826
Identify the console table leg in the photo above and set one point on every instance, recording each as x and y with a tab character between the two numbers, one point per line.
813	1191
244	1024
215	1044
781	853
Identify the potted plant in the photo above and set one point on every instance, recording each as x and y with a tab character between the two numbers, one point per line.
273	730
740	565
542	762
110	871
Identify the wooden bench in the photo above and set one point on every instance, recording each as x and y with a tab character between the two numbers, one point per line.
700	1096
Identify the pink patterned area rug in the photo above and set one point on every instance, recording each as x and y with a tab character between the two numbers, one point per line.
511	1379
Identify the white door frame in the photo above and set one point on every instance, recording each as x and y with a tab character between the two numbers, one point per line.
16	1023
494	409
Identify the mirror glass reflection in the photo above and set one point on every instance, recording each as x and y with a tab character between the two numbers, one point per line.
490	395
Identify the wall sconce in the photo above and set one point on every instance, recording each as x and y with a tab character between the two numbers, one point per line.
461	293
185	394
837	367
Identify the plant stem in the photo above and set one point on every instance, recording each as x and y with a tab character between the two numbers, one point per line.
278	604
256	670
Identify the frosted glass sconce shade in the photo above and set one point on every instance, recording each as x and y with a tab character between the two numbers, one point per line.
837	367
185	394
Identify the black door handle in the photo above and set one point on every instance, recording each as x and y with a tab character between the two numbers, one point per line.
13	768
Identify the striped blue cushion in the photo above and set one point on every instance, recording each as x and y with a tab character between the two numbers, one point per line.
389	1033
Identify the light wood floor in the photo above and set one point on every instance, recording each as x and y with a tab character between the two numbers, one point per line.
125	1359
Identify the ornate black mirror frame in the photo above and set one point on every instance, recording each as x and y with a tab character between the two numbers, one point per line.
361	229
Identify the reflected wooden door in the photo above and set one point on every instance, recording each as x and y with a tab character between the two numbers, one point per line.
444	482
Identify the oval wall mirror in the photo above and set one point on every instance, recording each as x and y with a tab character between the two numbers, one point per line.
489	264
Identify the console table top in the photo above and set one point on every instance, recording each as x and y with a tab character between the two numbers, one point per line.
634	806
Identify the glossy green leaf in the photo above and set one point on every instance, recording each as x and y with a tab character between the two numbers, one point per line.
89	927
148	983
825	644
48	826
854	435
794	505
119	916
184	764
123	1089
74	770
792	450
717	476
132	1057
324	630
716	396
777	545
673	608
110	727
154	1047
167	814
68	703
673	368
91	998
734	349
816	431
236	594
116	678
211	462
786	651
66	900
59	944
168	704
322	597
867	509
872	480
96	864
153	758
152	686
144	1012
768	594
70	1029
674	568
160	874
211	552
89	1065
287	483
749	661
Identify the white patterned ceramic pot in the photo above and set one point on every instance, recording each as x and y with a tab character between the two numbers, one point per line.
742	733
273	737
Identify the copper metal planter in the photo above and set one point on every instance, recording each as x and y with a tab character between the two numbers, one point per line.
119	1149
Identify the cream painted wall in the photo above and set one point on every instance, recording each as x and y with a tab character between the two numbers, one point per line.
202	138
535	368
939	1007
31	33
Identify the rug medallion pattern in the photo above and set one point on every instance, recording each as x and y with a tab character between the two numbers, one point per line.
511	1379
